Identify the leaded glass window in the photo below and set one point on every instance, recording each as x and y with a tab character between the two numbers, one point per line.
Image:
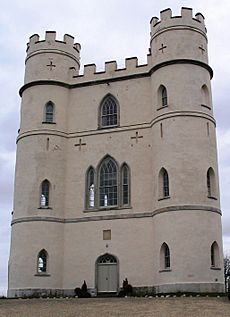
108	183
49	112
109	112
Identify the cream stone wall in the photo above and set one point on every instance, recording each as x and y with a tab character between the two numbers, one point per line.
179	137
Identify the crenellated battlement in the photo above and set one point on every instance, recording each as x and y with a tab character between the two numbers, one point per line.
111	70
186	19
52	44
172	38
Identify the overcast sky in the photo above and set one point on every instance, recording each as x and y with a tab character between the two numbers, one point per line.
107	30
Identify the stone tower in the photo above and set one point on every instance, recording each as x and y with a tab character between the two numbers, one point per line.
116	172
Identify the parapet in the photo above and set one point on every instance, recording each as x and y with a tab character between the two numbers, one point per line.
111	70
186	19
67	46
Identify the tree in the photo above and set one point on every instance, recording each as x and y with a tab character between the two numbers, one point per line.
226	271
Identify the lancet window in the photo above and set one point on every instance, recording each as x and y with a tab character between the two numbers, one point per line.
109	112
108	185
49	112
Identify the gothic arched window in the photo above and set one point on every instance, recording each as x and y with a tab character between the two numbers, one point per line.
211	183
90	188
205	96
108	193
45	193
42	261
163	183
162	96
109	112
165	256
215	257
49	112
125	185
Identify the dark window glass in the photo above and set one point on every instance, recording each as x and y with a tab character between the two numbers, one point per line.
209	183
165	183
167	256
212	255
164	97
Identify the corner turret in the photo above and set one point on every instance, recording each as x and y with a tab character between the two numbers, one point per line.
51	59
187	41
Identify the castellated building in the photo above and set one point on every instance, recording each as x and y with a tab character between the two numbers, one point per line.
116	172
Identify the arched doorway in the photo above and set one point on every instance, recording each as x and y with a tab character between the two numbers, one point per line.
107	274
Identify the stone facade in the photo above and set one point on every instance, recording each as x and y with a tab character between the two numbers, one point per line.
157	220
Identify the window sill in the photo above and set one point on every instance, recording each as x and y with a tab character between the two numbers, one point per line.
211	197
162	107
215	268
165	270
205	106
42	274
108	127
162	198
45	207
106	208
46	122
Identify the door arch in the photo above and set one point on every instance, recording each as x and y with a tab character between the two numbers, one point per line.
107	273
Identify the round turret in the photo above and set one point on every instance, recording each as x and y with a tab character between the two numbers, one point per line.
178	37
51	59
185	162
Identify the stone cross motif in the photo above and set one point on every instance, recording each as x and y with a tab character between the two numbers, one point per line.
202	49
80	144
137	136
162	48
51	65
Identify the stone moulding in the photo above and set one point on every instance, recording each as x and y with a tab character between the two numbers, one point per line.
120	216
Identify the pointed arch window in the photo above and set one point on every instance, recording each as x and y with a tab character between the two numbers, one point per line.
125	183
162	96
108	193
49	112
205	97
90	188
163	183
45	193
42	261
211	183
109	112
108	185
215	257
165	257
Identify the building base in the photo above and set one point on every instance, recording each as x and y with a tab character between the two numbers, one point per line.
188	288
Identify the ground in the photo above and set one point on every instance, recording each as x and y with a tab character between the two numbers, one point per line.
114	307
